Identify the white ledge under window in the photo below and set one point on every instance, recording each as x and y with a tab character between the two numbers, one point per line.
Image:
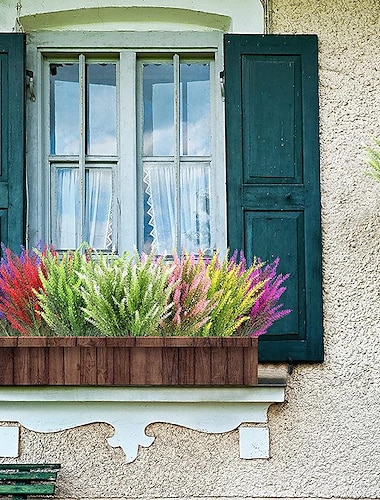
131	409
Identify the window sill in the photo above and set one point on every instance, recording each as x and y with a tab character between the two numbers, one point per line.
131	409
273	374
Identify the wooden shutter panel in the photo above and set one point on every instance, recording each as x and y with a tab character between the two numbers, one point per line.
12	139
273	190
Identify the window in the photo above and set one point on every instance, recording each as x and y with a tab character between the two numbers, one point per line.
129	150
119	181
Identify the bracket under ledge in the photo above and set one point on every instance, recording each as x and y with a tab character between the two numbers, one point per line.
131	409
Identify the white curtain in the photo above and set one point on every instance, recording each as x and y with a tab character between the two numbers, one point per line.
99	208
194	207
98	211
159	179
67	208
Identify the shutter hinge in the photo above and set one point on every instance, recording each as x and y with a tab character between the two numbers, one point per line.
291	366
30	85
222	80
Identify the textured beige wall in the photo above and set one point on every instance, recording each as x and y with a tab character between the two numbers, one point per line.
325	441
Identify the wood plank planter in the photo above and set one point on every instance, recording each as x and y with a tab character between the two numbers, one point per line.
124	361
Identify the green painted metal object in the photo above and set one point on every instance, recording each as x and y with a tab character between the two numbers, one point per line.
27	476
23	480
27	489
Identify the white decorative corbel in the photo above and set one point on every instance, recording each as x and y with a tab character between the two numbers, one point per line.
131	409
9	440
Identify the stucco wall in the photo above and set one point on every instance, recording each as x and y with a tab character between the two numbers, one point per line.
325	438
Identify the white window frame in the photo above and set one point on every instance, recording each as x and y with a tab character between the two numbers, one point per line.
128	45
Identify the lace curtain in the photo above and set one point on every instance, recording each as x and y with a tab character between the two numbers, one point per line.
194	207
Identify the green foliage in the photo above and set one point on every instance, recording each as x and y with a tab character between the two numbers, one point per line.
103	291
83	292
373	160
236	293
126	296
61	300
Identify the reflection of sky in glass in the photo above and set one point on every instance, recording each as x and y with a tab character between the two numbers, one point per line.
100	106
195	109
64	109
101	127
158	96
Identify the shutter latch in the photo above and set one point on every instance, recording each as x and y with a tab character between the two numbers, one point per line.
30	85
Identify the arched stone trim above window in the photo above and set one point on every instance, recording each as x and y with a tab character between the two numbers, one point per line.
237	17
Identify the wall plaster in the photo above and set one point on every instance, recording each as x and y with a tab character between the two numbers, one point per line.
130	410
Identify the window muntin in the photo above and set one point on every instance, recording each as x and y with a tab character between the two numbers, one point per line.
83	124
176	153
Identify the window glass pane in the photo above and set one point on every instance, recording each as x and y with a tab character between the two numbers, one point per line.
195	207
160	218
159	208
158	114
98	227
64	109
67	208
101	95
195	109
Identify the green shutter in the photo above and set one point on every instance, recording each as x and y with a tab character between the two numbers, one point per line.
12	148
273	190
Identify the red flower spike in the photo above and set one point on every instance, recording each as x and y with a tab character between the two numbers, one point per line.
19	280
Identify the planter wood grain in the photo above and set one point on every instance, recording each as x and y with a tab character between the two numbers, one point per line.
124	361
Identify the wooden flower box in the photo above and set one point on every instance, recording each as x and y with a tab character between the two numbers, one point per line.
126	361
